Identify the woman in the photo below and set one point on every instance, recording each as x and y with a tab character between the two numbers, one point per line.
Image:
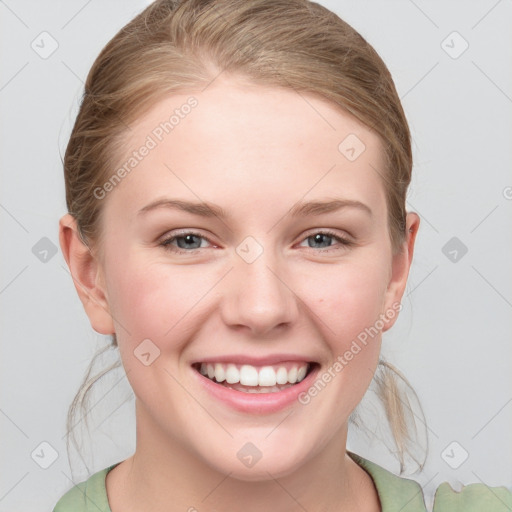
236	182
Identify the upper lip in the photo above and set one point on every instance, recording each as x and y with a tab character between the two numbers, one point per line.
255	361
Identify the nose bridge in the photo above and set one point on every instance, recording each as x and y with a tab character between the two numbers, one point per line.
257	296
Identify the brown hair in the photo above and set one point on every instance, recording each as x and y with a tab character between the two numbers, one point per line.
178	46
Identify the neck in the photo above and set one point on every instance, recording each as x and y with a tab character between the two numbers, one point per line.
165	476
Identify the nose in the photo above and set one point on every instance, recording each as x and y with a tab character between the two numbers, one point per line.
258	297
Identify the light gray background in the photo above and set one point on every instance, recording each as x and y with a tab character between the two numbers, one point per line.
452	339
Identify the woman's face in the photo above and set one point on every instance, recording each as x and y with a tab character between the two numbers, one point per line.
248	240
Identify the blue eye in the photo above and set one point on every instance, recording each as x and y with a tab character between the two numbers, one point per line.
324	239
188	242
185	242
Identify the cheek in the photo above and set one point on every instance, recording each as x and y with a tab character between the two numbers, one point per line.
158	301
346	299
151	300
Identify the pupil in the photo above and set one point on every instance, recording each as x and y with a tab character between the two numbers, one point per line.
187	241
321	239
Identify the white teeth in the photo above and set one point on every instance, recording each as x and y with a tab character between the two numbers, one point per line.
232	374
282	376
248	375
220	374
301	373
267	376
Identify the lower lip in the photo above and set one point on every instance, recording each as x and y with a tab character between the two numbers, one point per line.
257	403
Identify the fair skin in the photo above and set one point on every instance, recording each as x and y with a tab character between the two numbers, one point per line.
256	152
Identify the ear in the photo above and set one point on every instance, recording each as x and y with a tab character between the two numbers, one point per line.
86	274
400	270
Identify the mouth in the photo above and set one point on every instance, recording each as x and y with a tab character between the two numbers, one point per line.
247	378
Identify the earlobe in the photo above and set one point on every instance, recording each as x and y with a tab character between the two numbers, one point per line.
400	268
86	274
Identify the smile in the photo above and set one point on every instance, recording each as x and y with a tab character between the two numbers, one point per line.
253	379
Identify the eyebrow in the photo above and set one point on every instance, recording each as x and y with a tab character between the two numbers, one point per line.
320	207
201	209
298	210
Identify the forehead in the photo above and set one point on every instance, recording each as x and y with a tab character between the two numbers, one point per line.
235	141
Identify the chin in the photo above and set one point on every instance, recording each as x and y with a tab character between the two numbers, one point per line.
251	465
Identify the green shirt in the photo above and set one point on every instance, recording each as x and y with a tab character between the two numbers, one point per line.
395	494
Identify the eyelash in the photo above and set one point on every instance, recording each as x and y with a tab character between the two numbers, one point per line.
166	244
